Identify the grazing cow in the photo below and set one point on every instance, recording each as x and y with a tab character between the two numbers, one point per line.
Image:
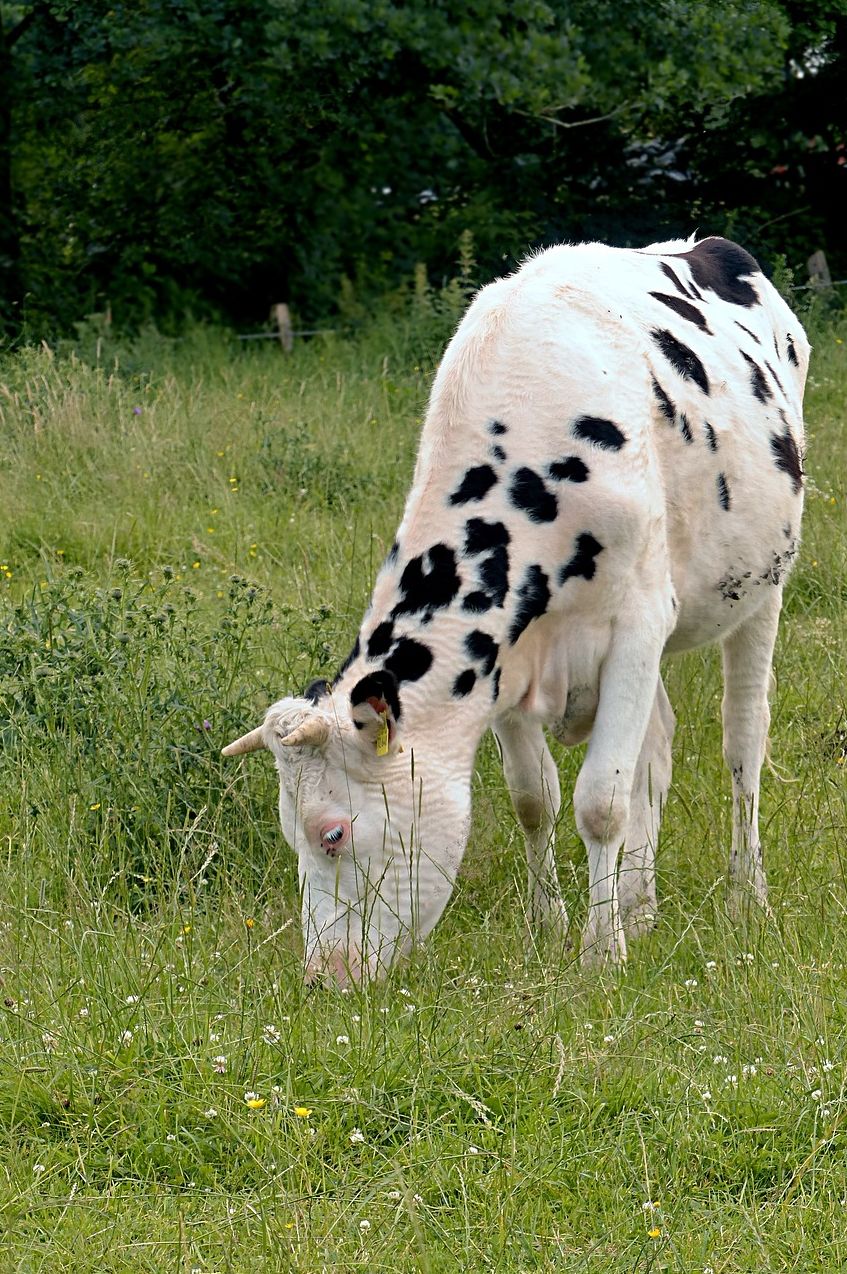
610	470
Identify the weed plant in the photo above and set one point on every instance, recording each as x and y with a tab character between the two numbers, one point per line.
190	529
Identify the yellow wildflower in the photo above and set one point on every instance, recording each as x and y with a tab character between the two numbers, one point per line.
302	1112
655	1233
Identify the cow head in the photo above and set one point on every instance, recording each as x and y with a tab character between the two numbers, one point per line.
379	824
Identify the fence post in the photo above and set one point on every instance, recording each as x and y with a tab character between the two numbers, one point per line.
281	315
819	274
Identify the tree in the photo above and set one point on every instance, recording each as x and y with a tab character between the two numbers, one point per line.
172	154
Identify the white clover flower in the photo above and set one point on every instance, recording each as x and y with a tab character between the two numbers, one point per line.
50	1042
364	1225
473	1150
393	1194
719	1059
405	991
608	1039
355	1018
342	1039
691	984
649	1206
220	1064
132	999
271	1034
828	1065
711	965
126	1038
357	1137
410	1008
732	1079
171	1136
706	1095
417	1198
698	1025
211	1113
817	1094
38	1168
84	1012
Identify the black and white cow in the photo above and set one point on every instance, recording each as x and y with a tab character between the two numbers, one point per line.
610	470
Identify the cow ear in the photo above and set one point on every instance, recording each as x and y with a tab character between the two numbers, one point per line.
375	710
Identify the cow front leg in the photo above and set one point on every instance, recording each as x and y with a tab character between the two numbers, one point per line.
604	788
637	873
747	659
533	782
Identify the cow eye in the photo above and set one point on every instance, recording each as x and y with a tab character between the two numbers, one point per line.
334	835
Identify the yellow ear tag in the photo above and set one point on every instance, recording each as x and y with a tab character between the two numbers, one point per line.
382	735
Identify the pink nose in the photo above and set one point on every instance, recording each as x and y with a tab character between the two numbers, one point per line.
341	967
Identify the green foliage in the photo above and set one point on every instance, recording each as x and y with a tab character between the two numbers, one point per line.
171	156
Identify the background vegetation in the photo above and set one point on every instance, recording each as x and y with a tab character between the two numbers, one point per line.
173	155
190	527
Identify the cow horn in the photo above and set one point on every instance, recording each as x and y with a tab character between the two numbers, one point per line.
251	742
312	733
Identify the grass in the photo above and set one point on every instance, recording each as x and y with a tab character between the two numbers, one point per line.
189	529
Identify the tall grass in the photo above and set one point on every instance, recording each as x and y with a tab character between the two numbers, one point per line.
191	528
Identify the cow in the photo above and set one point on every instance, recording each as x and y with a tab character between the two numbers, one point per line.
610	471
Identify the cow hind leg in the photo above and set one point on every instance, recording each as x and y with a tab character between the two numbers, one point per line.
747	658
603	791
533	783
637	873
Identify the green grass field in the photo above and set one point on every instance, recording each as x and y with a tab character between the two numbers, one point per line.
190	528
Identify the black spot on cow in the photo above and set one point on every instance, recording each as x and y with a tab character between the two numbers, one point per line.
685	428
602	433
477	603
786	530
533	598
775	378
711	438
732	587
683	308
758	380
354	654
480	536
528	493
791	351
681	358
409	659
718	265
380	640
787	457
571	469
582	564
316	690
495	685
429	581
669	274
666	407
392	554
482	648
497	453
475	485
723	492
779	565
464	683
752	335
494	574
378	685
497	428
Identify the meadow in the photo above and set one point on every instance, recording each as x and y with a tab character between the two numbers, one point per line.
190	528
